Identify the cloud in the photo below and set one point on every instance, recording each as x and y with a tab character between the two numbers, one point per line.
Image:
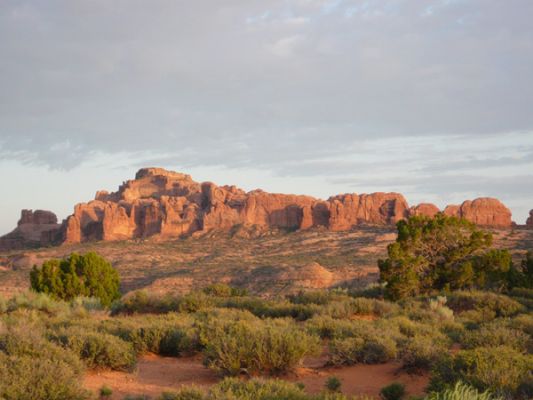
326	87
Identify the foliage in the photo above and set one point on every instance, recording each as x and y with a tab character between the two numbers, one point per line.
333	384
222	290
462	391
496	334
353	350
422	351
97	349
268	347
441	253
394	391
105	391
78	275
256	389
500	369
32	368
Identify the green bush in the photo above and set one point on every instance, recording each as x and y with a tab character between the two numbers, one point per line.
223	290
358	306
38	302
78	275
462	391
256	389
169	335
394	391
3	305
105	391
187	393
421	352
492	304
97	349
270	346
440	253
494	335
39	376
353	350
33	368
523	322
501	370
333	384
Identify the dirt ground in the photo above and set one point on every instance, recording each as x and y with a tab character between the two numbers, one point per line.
157	374
260	264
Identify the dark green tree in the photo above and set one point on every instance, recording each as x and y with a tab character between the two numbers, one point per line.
441	253
78	275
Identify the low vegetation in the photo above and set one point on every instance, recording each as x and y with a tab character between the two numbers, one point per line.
470	332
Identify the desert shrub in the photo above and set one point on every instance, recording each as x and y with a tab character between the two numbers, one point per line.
462	391
372	291
492	304
105	392
195	301
329	328
39	376
24	338
87	303
318	297
223	290
495	334
524	322
438	307
38	302
394	391
170	335
186	393
256	389
78	275
353	350
453	330
97	349
270	346
33	368
422	351
411	328
501	370
271	309
522	292
358	306
333	384
3	305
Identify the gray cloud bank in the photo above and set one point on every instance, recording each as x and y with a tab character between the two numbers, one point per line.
420	95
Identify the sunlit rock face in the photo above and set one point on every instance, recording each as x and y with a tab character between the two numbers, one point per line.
170	204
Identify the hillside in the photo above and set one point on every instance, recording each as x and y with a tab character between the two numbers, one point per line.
274	263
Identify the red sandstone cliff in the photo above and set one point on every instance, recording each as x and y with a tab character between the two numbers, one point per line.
34	228
171	204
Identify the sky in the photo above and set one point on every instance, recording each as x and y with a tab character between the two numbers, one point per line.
429	98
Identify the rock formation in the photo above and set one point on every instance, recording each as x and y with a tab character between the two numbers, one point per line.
34	228
529	222
427	209
484	211
170	204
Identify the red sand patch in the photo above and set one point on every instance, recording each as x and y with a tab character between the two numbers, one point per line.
157	374
362	379
154	375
